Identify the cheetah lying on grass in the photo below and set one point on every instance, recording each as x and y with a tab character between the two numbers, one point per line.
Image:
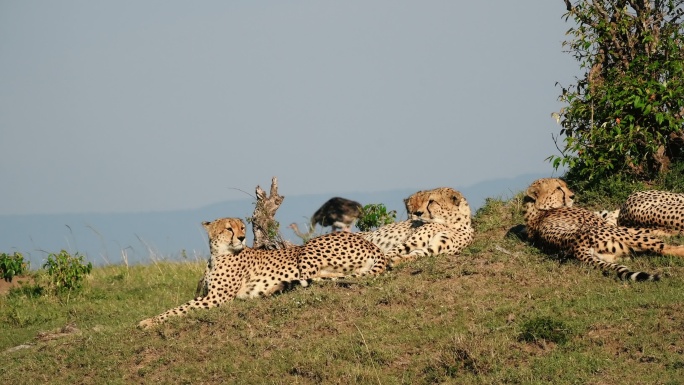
252	273
553	221
439	224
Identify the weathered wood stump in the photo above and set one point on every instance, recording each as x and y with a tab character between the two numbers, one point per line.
264	226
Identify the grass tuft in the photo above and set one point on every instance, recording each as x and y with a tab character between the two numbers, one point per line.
544	329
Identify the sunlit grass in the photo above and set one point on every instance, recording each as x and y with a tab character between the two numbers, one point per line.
448	319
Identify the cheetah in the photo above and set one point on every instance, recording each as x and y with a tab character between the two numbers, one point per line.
252	273
439	223
230	241
662	211
552	220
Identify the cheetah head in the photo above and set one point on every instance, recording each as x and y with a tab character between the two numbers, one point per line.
441	205
548	193
226	235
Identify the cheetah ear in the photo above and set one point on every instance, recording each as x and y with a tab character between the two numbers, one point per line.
406	204
457	198
206	225
531	194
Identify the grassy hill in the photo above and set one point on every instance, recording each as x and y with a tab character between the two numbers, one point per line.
502	312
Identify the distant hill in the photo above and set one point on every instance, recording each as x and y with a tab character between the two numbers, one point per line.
148	236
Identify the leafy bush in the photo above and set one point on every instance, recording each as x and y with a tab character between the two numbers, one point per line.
67	272
614	189
11	265
626	115
375	215
610	193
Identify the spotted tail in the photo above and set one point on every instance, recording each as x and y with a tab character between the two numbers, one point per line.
623	272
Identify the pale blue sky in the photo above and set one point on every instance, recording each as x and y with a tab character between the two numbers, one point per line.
109	106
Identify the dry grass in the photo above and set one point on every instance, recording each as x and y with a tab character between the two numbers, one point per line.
502	312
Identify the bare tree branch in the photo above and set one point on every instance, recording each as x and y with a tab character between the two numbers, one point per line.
264	226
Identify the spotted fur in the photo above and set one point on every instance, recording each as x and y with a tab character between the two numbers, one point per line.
252	273
553	222
662	211
439	223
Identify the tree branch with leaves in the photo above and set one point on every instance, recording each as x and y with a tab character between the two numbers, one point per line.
625	115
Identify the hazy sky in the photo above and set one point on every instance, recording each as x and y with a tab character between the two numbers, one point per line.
110	106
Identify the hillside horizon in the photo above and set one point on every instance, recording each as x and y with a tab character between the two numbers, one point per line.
143	237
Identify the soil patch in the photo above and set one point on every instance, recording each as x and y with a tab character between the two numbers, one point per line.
16	282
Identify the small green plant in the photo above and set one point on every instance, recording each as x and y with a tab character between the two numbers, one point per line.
544	328
375	215
67	271
11	265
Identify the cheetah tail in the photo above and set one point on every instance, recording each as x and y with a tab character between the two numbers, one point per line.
623	272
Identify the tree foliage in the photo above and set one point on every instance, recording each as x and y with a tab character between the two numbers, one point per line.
626	114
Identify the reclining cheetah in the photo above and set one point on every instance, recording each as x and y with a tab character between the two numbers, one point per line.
439	224
552	220
662	211
252	273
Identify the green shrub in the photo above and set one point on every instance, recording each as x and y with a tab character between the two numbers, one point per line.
66	271
609	194
374	216
624	114
11	265
614	189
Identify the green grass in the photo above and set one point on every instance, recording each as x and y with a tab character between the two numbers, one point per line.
501	312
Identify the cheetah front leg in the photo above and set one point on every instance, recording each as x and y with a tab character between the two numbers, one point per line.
217	295
204	282
405	253
182	310
673	250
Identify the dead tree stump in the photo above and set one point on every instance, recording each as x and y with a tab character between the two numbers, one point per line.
264	226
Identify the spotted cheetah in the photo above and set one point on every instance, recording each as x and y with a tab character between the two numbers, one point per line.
552	220
252	273
662	211
229	238
439	223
